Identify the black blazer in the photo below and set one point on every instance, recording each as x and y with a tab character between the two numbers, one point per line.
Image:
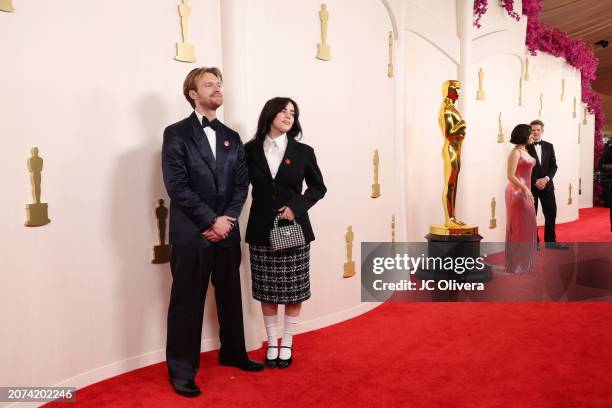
548	167
299	163
200	187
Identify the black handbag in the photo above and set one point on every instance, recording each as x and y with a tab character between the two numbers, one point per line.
287	236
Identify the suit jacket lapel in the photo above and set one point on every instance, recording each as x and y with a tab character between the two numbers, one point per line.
200	139
287	157
532	152
260	159
223	145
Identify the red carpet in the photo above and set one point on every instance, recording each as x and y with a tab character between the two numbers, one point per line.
592	226
413	355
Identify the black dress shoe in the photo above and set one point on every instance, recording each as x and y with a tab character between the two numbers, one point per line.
247	365
186	388
286	363
271	363
556	245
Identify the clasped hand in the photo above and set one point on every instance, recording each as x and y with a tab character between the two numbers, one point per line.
541	183
220	229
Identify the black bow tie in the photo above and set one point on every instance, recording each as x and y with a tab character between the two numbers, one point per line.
537	143
213	124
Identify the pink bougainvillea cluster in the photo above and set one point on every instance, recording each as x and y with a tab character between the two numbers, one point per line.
577	53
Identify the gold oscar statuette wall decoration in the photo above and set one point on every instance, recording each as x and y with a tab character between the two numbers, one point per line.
569	198
584	119
349	265
161	252
579	131
493	220
500	135
526	68
580	186
574	113
453	129
521	91
541	111
323	49
480	95
390	64
7	5
393	228
376	185
185	51
563	89
37	212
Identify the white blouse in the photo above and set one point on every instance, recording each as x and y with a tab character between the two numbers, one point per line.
274	149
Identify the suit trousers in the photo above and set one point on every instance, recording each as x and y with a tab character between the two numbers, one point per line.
549	208
191	270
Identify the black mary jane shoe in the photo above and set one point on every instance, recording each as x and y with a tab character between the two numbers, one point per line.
186	388
285	363
271	363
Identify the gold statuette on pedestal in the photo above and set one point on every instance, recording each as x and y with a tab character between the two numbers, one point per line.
7	5
569	198
574	113
563	89
493	220
584	119
161	252
541	111
349	265
37	212
390	64
323	49
526	68
185	51
580	186
480	95
500	135
376	185
453	129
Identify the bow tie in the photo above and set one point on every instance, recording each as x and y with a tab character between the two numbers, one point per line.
537	143
214	124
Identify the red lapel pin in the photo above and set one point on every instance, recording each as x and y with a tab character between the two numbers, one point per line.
226	143
287	162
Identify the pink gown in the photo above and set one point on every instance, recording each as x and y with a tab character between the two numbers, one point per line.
521	227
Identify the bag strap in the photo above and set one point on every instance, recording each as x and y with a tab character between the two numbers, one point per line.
277	218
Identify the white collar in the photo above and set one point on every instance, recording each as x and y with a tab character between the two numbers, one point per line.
199	116
281	141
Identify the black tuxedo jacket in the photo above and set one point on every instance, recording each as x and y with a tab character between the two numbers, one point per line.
269	194
200	187
548	167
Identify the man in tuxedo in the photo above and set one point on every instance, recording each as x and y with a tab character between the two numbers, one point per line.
542	186
205	174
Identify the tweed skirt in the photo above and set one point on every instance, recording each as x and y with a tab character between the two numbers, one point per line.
280	277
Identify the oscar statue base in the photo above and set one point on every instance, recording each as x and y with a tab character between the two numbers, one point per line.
480	95
375	190
454	246
492	223
185	52
323	52
37	215
349	269
462	230
500	138
161	254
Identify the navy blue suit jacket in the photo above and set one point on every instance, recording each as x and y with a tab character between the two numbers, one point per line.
200	187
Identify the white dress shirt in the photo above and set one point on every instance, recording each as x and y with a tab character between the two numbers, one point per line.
274	149
211	135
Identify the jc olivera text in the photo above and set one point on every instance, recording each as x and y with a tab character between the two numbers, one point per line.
406	285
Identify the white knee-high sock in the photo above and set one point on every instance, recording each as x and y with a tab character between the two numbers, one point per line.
288	332
270	323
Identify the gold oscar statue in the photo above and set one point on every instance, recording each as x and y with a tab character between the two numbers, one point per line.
185	51
323	49
569	198
480	95
520	92
453	128
376	185
37	212
584	120
349	265
493	220
579	134
161	252
574	113
526	68
393	228
563	89
580	186
541	111
500	135
7	5
390	64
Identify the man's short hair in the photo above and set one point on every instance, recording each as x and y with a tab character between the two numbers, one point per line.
192	78
537	122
